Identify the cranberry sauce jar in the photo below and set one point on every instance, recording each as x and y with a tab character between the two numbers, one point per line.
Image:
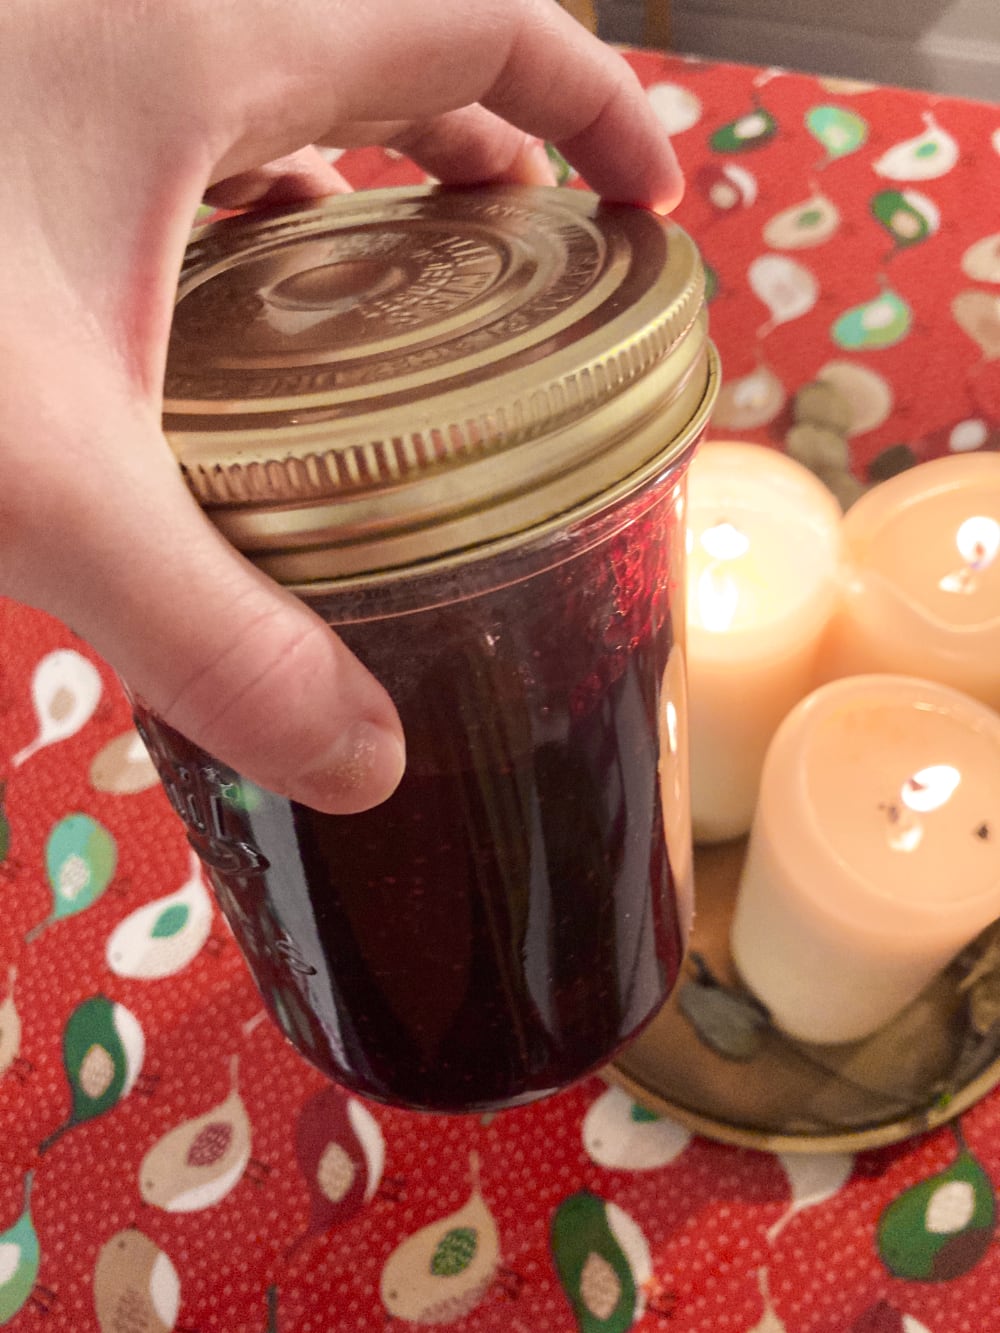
457	424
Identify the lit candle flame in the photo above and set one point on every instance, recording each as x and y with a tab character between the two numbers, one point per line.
925	791
718	598
978	542
930	788
725	542
717	593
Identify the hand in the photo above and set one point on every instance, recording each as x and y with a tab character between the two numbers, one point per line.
118	116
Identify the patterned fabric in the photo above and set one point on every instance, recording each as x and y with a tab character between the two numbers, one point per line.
167	1162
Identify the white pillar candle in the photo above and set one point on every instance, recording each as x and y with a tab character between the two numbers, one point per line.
874	856
921	578
763	551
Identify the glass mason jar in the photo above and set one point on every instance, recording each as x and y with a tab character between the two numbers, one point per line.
457	424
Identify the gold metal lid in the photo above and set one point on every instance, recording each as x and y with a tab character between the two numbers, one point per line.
394	376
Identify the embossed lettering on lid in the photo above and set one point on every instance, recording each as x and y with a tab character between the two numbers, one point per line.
400	375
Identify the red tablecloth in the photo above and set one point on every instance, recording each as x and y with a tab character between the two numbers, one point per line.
208	1180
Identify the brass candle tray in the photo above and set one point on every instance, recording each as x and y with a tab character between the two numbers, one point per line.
712	1060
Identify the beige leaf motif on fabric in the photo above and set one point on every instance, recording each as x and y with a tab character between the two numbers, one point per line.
335	1173
74	876
951	1208
61	704
97	1069
600	1288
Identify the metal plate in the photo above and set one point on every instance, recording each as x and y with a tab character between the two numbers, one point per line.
771	1092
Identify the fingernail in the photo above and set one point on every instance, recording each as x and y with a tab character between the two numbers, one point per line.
535	167
360	770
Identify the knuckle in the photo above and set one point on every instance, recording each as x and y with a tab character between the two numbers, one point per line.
257	684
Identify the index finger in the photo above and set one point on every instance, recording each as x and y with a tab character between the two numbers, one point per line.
527	61
584	97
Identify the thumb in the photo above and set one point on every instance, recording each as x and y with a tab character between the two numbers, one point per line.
118	548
